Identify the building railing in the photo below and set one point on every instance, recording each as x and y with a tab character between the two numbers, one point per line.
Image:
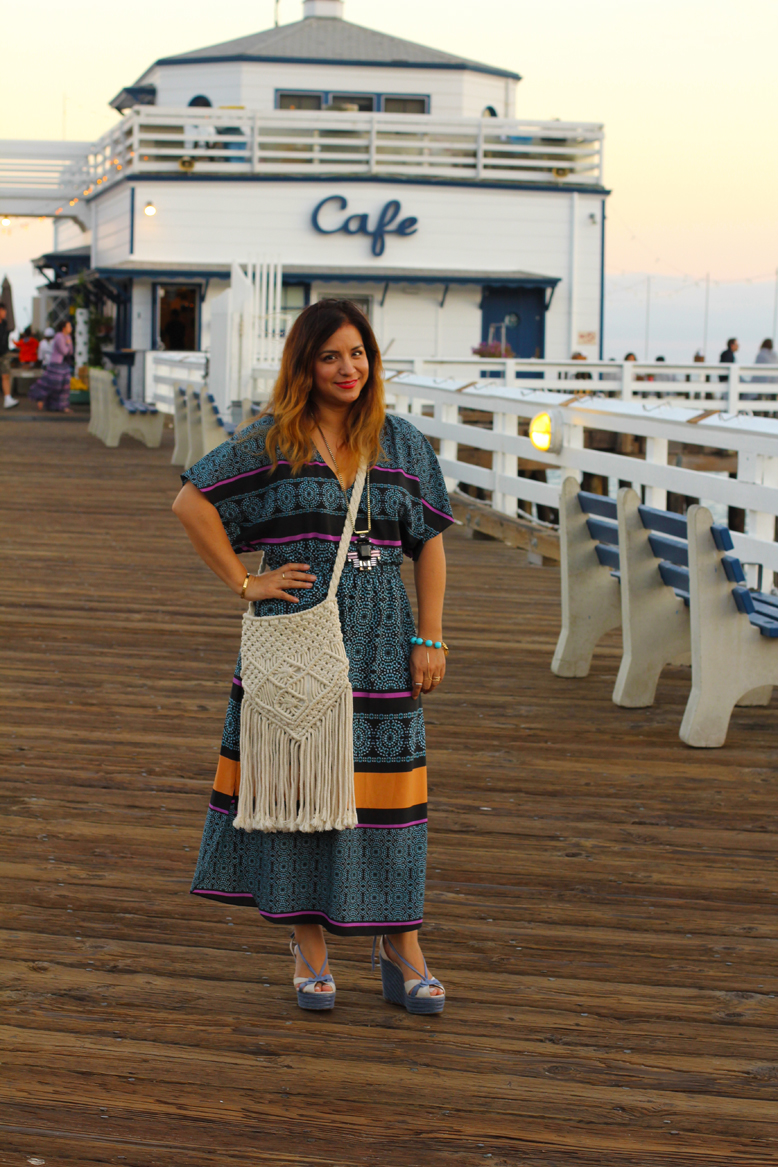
730	387
157	140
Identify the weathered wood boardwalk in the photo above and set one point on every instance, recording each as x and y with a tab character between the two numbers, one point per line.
601	900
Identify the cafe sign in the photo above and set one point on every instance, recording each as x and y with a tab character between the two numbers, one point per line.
327	218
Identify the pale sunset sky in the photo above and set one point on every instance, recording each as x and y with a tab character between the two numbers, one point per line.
687	90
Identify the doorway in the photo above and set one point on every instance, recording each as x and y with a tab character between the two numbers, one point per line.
176	317
519	313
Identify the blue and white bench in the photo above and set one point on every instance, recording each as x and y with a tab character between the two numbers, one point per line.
589	553
114	416
215	429
733	634
654	597
181	423
194	427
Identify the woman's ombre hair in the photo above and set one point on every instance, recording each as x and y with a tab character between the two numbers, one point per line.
292	408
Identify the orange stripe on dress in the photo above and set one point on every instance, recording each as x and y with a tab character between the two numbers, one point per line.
373	791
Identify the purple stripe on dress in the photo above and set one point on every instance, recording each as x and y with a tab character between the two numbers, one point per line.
217	808
207	891
298	538
391	826
358	693
435	510
235	477
397	470
338	923
237	681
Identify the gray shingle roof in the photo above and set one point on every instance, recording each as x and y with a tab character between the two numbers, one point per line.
332	41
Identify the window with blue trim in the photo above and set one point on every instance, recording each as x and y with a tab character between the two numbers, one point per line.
394	103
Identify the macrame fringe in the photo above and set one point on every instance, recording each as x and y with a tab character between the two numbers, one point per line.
290	784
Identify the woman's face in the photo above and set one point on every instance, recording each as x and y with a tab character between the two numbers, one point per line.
67	328
341	369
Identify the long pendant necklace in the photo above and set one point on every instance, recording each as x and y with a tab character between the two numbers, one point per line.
365	555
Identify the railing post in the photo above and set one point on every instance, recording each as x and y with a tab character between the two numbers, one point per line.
733	389
656	453
626	380
573	440
510	371
506	464
761	469
479	150
448	446
255	144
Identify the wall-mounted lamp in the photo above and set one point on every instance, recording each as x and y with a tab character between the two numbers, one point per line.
593	219
149	210
545	431
5	221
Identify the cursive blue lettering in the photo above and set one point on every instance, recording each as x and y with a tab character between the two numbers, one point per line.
360	224
315	216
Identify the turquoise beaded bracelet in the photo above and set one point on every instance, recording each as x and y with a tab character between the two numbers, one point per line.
429	643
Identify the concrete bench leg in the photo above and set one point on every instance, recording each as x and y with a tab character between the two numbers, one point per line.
655	623
181	448
194	428
731	662
591	605
146	428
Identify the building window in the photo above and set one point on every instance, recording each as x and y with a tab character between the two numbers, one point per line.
300	101
405	105
201	101
353	102
177	308
294	297
489	112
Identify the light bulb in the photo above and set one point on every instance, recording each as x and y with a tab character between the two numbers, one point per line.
149	209
5	221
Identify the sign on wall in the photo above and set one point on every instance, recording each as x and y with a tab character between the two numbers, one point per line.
327	219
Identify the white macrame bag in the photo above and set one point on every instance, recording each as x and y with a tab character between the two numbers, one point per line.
296	720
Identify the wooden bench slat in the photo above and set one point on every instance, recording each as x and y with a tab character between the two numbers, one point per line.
608	555
675	576
733	569
722	537
604	531
597	504
670	549
667	522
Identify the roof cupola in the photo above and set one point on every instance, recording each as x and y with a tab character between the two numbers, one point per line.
330	8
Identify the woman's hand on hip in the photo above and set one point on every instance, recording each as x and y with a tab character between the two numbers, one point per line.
428	668
271	585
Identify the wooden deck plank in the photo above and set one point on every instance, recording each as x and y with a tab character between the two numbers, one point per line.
606	929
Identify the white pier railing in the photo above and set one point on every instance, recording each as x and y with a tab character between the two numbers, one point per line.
437	408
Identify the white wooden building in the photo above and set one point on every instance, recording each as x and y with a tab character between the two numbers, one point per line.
368	166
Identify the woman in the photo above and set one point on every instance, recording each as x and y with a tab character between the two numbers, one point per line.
52	390
283	486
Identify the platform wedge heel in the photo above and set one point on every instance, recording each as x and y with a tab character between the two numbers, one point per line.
307	997
414	994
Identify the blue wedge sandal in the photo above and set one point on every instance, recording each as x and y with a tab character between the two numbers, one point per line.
414	994
307	997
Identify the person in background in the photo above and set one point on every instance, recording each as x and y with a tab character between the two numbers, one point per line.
630	357
580	376
52	390
27	347
766	356
174	332
662	376
5	360
728	356
45	347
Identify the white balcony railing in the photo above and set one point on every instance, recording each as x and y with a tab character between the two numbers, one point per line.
55	177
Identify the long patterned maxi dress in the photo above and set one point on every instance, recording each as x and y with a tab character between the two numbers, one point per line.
371	878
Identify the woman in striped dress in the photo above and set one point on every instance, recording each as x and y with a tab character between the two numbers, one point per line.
283	486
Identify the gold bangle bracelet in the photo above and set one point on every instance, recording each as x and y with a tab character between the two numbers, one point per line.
245	585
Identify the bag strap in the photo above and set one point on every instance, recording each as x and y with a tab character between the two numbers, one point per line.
345	539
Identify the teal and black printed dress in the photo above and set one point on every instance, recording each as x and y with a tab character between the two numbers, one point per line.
371	878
